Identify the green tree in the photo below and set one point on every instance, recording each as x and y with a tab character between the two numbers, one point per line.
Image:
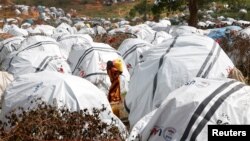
157	10
236	4
173	5
142	8
132	12
167	6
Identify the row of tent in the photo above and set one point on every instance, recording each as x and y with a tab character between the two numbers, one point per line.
42	69
71	54
149	31
169	70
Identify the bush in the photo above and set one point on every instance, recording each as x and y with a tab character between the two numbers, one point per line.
239	50
132	13
113	40
50	123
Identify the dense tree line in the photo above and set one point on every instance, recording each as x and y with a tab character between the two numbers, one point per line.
43	2
166	6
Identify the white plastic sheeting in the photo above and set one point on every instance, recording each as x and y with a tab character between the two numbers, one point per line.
33	31
182	30
169	66
85	30
79	25
36	53
242	22
65	19
143	32
90	63
150	23
27	63
63	29
5	80
8	46
123	23
131	51
165	22
243	11
17	12
162	25
67	27
202	24
159	37
45	29
25	25
15	30
125	29
245	32
69	42
186	112
99	30
59	90
13	21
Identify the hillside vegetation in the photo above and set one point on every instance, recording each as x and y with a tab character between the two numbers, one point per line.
84	8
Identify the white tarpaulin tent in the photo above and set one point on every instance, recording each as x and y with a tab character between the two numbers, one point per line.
58	90
187	111
67	42
66	27
79	25
86	30
123	23
159	37
165	22
63	29
99	30
124	29
15	30
151	23
33	31
45	29
162	25
131	51
242	22
37	53
25	25
169	66
143	32
8	46
245	32
182	30
5	80
90	63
